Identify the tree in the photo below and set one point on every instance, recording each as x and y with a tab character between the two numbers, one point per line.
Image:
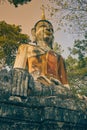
77	76
10	38
71	64
17	2
71	14
80	49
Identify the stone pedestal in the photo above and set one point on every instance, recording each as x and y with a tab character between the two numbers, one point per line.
44	108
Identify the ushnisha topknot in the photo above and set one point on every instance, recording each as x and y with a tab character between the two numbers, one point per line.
43	19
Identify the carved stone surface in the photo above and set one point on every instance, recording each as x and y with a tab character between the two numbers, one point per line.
41	107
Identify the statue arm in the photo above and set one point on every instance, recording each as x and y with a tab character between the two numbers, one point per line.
21	57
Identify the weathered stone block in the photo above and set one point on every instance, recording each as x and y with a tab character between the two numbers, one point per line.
43	108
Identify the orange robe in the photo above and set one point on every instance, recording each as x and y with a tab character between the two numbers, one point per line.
40	62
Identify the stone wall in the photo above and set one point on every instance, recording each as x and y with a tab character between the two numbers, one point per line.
42	108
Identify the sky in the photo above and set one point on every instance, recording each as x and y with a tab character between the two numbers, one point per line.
27	15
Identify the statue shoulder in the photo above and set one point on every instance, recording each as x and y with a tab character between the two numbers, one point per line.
31	49
25	46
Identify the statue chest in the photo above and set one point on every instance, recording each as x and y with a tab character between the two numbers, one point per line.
44	64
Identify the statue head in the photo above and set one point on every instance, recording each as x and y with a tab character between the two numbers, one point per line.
43	32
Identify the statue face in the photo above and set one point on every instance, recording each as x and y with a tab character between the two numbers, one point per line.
44	32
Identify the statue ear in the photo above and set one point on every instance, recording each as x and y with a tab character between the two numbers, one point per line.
33	34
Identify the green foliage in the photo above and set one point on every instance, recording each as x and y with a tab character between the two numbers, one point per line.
71	64
80	49
77	67
78	81
10	39
71	15
17	2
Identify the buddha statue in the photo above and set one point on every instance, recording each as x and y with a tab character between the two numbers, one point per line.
39	58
